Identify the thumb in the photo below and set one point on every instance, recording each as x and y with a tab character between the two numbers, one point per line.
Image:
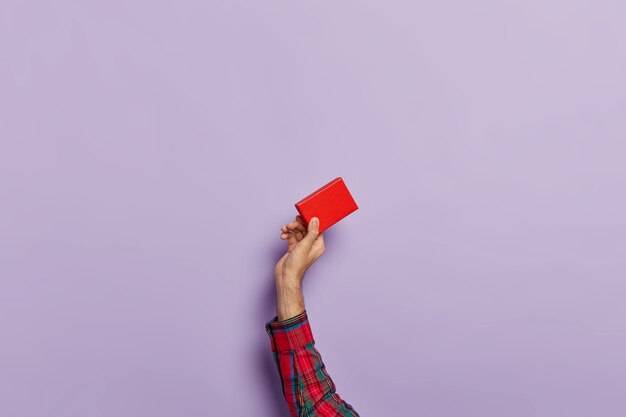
313	230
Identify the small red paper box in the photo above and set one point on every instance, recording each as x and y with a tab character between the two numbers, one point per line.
329	204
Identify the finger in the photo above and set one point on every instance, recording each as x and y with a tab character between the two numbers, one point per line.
299	234
302	228
300	220
291	239
312	232
319	243
295	226
299	231
298	225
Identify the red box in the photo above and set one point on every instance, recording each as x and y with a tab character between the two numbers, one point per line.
330	203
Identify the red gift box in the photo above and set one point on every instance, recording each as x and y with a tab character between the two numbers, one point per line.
329	204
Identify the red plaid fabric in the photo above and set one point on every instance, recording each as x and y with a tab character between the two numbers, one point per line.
306	385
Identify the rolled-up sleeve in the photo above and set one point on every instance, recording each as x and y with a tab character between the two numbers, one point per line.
307	387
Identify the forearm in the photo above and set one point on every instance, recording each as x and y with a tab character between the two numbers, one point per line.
306	385
289	298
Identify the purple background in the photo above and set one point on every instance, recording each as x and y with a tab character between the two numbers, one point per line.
150	153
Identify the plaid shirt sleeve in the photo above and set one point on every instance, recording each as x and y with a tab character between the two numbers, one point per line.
306	385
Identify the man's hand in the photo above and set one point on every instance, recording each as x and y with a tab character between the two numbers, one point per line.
304	246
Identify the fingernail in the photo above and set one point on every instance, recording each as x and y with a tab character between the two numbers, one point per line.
315	220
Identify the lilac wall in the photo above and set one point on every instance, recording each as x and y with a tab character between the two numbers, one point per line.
150	153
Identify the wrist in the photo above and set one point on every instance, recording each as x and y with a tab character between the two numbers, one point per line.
289	279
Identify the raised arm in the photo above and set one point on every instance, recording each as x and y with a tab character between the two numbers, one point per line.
307	387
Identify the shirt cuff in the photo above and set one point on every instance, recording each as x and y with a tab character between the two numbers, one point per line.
289	334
